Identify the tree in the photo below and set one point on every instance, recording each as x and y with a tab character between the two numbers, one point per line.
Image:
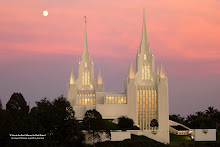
125	123
200	114
154	123
210	111
1	105
65	126
92	121
56	119
216	118
17	113
17	105
176	118
42	117
190	118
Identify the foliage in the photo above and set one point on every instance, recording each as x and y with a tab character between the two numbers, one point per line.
1	105
93	120
94	123
210	118
211	111
55	119
176	118
137	141
125	123
14	118
154	123
65	127
110	125
42	117
17	105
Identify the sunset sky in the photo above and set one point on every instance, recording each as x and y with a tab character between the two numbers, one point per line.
37	53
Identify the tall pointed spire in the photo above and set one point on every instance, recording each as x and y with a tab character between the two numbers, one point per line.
162	72
158	71
72	79
144	32
85	53
99	78
131	72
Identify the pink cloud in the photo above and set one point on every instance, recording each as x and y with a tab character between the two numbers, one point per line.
176	30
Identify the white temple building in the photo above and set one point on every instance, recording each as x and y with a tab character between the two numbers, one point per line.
145	95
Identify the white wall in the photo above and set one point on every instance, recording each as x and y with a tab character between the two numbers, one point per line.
100	97
136	132
79	112
120	136
199	135
112	110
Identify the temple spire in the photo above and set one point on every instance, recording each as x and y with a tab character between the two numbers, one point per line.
162	72
144	33
72	79
131	72
144	30
144	43
85	54
99	78
158	71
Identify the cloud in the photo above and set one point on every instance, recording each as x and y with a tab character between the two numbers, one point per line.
184	36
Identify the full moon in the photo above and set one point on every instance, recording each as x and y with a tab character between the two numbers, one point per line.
45	13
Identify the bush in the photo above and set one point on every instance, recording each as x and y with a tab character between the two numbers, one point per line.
125	123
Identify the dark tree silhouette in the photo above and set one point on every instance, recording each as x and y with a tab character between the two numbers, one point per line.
42	116
154	123
190	118
1	104
200	114
210	111
216	118
56	119
176	118
125	123
94	123
17	105
207	119
17	111
65	127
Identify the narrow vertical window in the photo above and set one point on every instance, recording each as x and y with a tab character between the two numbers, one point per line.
125	101
83	78
148	72
88	78
145	72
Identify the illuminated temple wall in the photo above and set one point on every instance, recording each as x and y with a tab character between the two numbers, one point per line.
145	96
147	106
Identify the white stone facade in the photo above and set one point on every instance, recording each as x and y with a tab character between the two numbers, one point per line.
205	134
145	96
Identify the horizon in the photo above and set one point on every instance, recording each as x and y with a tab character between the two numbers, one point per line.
37	53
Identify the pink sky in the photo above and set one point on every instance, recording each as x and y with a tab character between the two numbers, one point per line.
37	50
